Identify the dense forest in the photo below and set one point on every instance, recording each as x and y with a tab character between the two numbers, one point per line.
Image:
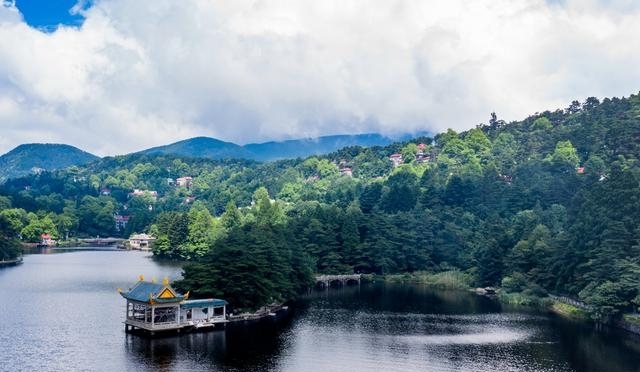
549	204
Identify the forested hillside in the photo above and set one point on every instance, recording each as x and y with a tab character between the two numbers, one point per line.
547	204
38	157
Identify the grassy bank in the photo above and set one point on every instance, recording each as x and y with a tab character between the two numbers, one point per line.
569	311
633	319
443	280
522	299
554	305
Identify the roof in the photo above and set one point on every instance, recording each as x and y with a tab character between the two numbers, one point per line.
141	237
209	302
150	292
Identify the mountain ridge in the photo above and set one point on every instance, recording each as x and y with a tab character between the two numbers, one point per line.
35	157
213	148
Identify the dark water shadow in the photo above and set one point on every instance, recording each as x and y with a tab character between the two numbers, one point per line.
241	346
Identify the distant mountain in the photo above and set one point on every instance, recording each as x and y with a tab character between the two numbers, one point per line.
201	147
36	157
215	149
316	146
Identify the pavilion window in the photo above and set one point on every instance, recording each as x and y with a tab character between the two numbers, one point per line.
138	312
165	315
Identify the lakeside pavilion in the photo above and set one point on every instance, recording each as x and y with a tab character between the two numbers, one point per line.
156	307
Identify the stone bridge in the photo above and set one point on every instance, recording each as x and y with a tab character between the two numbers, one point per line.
101	241
342	280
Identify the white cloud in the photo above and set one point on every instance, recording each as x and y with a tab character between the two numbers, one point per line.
140	74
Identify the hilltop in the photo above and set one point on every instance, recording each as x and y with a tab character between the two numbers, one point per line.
38	157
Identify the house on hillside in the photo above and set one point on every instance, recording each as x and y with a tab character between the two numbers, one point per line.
121	221
346	171
422	155
138	192
505	178
184	181
396	159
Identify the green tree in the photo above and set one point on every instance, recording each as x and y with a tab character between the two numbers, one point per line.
95	215
409	152
266	211
565	155
505	149
401	193
231	217
11	222
253	266
203	231
541	123
478	142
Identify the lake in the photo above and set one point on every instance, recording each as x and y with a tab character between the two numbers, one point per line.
62	312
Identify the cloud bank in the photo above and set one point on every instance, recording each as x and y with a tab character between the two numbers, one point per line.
139	74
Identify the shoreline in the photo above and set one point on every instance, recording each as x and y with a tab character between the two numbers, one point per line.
572	310
561	306
262	313
11	263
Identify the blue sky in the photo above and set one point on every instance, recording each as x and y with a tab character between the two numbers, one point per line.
117	76
48	14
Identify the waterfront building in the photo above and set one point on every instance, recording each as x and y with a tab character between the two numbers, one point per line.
141	241
47	240
154	307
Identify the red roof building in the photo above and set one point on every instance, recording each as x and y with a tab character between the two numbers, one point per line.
46	239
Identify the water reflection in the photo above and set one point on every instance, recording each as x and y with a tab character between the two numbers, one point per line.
62	312
605	350
54	249
176	352
403	328
244	346
405	298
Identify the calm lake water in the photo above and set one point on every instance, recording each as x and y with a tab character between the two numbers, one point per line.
62	312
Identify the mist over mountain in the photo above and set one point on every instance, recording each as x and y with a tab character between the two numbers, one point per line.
211	148
201	147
